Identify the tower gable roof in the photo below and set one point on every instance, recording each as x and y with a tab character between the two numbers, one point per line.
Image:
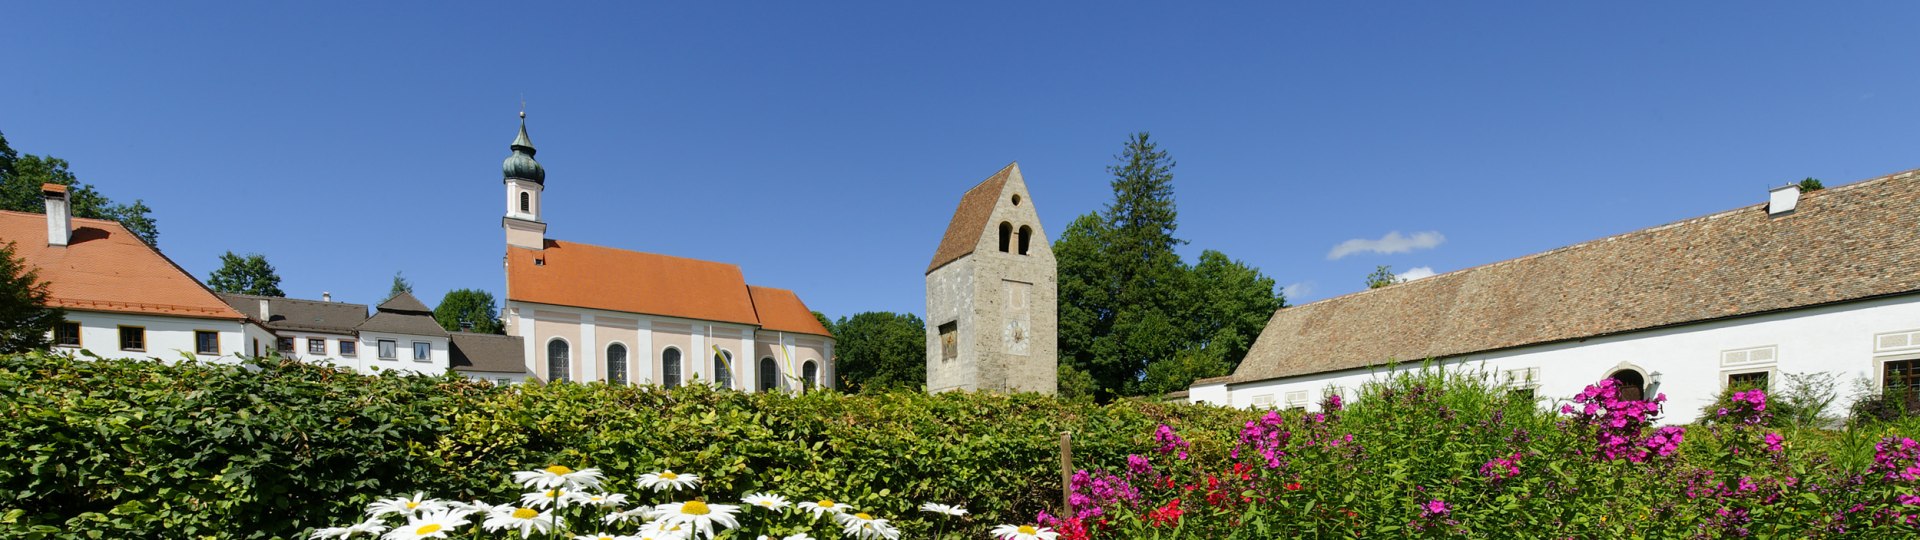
1840	244
970	218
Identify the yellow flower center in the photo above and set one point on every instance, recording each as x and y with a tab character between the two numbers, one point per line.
525	513
1028	530
768	504
552	493
559	470
413	504
669	476
429	528
863	515
696	508
826	503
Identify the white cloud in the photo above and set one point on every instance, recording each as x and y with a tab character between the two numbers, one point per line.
1393	242
1415	273
1293	291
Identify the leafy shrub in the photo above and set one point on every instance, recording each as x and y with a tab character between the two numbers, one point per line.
141	449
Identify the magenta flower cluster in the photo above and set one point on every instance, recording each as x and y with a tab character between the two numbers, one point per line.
1897	459
1620	423
1501	468
1093	491
1170	442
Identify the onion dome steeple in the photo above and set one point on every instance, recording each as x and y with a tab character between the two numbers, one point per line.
521	163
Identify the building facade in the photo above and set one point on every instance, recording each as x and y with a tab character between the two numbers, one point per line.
122	298
1821	282
593	313
992	307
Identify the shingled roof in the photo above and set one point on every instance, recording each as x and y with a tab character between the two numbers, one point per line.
782	311
976	207
299	315
403	314
589	276
487	352
105	267
1840	244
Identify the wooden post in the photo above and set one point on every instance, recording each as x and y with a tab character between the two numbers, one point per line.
1066	474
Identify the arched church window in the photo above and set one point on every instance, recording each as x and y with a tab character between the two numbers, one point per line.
1006	237
670	368
810	374
723	369
769	375
558	367
617	364
1026	238
526	202
1632	385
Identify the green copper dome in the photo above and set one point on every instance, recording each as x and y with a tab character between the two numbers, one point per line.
521	163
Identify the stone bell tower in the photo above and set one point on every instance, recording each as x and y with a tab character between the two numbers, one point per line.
992	289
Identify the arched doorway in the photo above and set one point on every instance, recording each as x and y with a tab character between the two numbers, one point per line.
1632	385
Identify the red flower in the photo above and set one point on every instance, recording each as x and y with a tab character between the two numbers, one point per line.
1293	486
1166	515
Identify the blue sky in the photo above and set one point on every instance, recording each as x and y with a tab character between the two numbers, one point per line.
822	147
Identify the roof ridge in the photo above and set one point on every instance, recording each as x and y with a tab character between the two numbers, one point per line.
1716	215
291	299
583	244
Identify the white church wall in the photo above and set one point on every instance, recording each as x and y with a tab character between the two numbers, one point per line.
1687	363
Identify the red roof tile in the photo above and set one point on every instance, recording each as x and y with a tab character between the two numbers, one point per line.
582	275
105	267
781	310
970	219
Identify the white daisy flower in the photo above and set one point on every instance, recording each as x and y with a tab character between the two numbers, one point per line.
699	516
668	481
798	536
766	500
862	526
555	476
644	513
370	527
476	507
823	507
947	509
660	529
545	499
433	524
525	520
1024	532
602	500
404	506
602	536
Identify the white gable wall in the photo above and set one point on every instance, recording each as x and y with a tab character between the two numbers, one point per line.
1684	362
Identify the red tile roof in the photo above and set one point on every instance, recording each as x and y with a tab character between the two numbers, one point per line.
105	267
781	310
970	219
582	275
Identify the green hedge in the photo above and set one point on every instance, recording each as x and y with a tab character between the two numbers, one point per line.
140	449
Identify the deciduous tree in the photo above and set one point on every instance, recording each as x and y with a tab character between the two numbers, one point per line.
473	307
878	350
22	175
249	274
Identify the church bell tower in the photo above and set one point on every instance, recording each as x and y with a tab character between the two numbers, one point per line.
525	179
992	295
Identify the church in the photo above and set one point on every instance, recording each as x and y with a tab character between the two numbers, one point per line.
595	313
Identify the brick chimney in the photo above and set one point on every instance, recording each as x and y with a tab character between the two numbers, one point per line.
59	214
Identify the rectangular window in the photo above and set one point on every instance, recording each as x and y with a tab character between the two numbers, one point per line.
1902	378
1749	380
66	334
503	381
283	345
950	340
317	346
389	350
206	342
422	351
349	348
133	338
1297	400
1521	394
